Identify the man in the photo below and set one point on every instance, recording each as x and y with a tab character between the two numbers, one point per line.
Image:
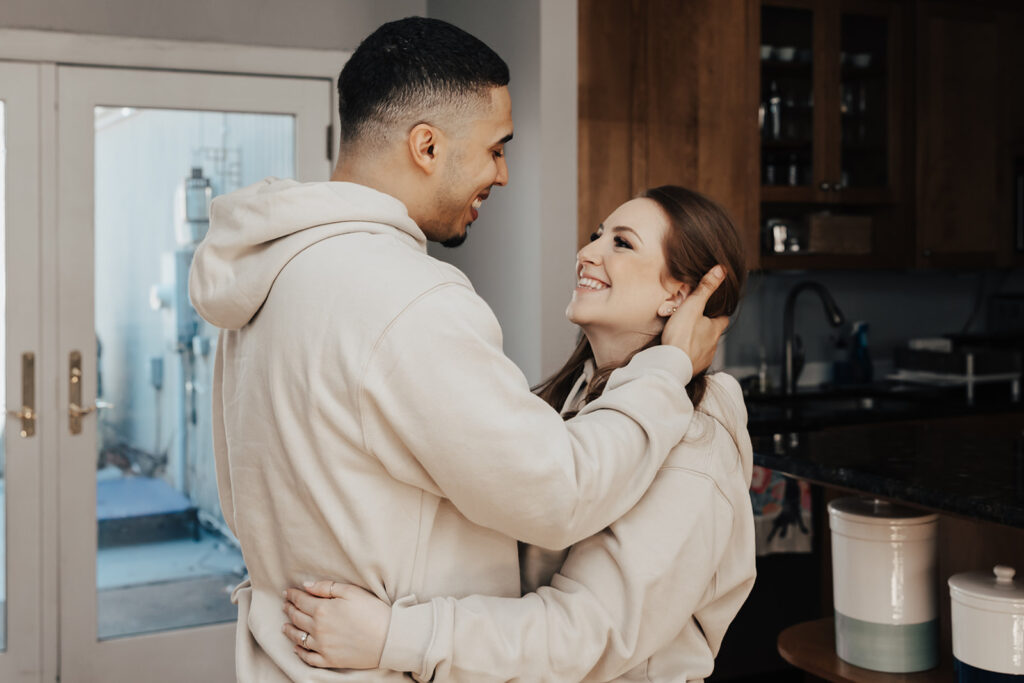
367	426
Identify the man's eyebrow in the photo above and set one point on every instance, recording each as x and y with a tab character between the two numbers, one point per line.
626	228
507	138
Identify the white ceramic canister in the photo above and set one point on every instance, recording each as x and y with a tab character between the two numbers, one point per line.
988	625
884	585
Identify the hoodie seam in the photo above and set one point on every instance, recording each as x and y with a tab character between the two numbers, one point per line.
376	345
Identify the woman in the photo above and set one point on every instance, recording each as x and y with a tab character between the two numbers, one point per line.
651	596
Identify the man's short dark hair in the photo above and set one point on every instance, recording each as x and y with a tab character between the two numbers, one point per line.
408	69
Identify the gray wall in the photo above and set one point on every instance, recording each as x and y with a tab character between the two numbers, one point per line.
322	24
520	253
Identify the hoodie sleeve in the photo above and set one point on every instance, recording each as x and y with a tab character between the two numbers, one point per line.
444	409
621	596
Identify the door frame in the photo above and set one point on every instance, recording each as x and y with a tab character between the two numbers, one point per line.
21	659
84	49
46	51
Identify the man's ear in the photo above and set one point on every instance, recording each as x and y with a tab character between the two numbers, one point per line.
424	141
672	302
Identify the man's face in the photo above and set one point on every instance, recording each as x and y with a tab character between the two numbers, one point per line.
475	162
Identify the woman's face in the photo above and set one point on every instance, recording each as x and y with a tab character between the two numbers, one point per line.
622	285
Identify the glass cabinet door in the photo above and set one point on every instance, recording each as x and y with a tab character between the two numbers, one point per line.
790	155
864	106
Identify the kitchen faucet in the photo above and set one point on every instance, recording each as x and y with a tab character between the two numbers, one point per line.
832	312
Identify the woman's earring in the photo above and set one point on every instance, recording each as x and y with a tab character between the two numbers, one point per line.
675	308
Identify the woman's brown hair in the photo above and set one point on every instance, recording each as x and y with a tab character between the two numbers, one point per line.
700	236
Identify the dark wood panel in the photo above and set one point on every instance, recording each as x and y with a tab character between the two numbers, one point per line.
673	91
728	169
611	40
668	95
958	119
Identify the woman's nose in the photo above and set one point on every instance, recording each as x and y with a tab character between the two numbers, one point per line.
589	253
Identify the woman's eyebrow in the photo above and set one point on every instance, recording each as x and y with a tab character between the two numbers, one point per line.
626	228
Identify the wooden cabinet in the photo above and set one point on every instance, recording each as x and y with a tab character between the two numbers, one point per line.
970	132
831	101
667	96
902	119
832	117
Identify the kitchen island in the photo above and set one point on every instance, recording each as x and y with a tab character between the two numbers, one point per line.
965	463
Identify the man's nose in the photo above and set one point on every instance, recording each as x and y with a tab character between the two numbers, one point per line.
502	177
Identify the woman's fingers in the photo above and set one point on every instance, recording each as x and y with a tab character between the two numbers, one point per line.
304	601
295	635
298	617
321	589
312	658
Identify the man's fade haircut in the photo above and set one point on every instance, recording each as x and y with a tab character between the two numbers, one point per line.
409	70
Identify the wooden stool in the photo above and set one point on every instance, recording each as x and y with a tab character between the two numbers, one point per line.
811	646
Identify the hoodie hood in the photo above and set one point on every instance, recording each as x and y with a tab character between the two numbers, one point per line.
257	230
723	401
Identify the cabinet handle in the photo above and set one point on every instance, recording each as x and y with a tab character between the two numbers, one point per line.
825	187
27	414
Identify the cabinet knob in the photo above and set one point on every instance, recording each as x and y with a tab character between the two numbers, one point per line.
825	187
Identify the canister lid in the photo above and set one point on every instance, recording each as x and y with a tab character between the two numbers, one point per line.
997	590
877	511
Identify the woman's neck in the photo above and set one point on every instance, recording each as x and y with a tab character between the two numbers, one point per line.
614	348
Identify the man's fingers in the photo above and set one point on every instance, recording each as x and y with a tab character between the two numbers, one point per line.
707	286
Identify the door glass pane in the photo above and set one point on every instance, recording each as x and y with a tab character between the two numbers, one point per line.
787	97
3	378
165	558
862	101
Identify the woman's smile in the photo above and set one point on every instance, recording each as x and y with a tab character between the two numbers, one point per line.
587	283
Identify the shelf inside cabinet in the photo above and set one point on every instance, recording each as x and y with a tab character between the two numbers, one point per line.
808	260
802	194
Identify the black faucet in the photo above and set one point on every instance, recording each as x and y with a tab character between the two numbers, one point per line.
835	318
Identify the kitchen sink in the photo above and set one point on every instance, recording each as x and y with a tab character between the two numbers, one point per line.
814	410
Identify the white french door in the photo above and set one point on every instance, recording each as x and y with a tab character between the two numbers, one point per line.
145	562
21	510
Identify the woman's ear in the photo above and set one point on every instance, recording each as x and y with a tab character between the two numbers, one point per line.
670	304
423	147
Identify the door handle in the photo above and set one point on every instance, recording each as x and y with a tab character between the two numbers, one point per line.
27	414
75	410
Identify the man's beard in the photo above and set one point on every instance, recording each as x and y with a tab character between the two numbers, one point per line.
456	241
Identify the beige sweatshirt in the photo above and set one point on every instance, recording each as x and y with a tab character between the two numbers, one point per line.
649	598
368	427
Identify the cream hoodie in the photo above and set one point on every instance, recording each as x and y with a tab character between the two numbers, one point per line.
368	427
647	599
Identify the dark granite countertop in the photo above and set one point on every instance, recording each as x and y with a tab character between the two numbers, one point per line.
970	465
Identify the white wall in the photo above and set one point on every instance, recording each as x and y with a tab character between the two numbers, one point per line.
322	24
521	251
